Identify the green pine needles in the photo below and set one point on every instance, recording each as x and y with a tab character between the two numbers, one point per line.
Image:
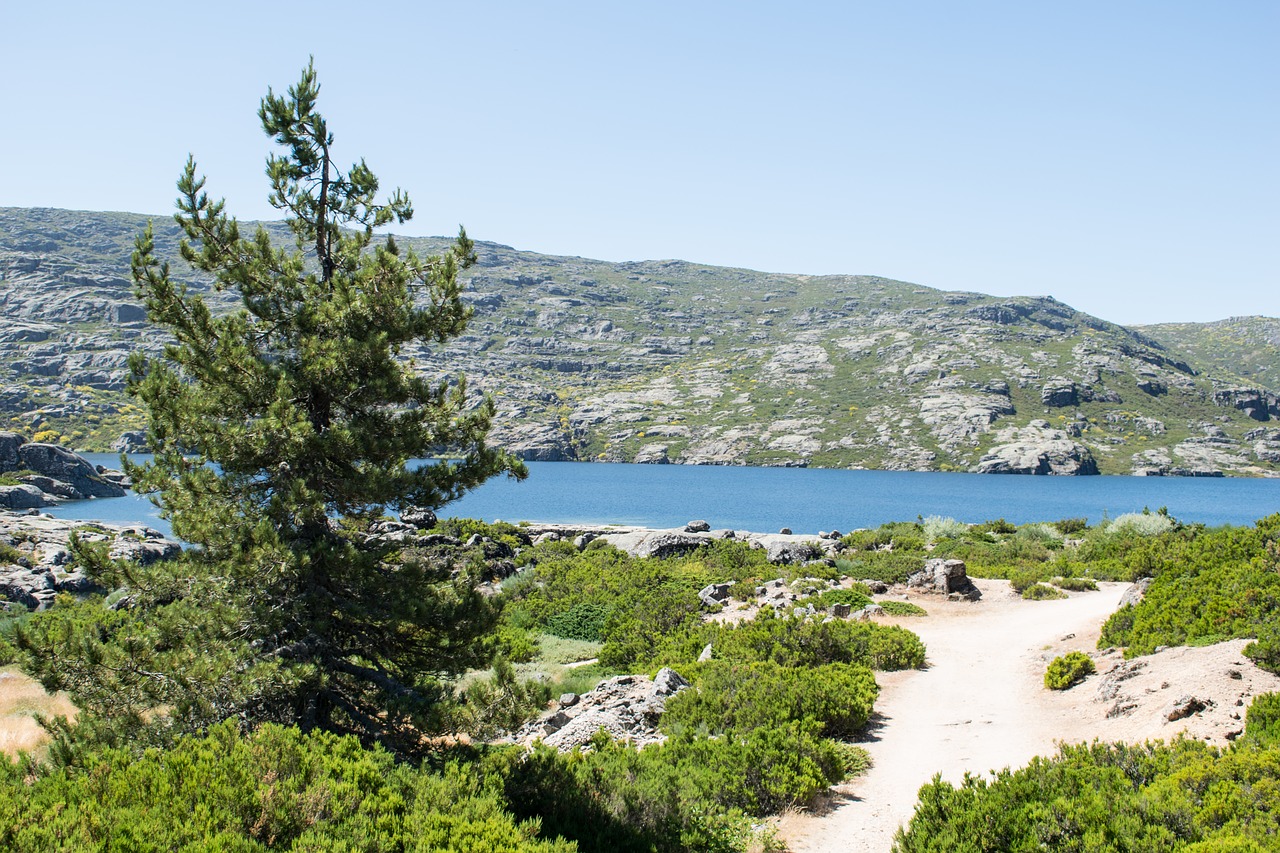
282	433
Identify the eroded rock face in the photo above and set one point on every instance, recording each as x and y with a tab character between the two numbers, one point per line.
1258	405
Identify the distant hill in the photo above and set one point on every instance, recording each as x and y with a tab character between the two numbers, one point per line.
1242	350
671	361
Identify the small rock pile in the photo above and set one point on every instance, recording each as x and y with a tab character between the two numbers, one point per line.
627	707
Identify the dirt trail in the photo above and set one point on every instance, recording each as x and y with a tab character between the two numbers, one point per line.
976	708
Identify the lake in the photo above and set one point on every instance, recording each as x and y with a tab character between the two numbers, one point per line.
805	499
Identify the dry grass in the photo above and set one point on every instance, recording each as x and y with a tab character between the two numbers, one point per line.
20	700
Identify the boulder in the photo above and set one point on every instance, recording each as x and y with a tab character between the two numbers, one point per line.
944	577
1184	707
712	595
791	553
668	544
61	464
1135	593
697	527
1059	392
50	486
627	707
22	496
418	516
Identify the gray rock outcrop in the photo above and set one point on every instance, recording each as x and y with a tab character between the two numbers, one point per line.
41	543
1036	449
56	463
627	707
945	577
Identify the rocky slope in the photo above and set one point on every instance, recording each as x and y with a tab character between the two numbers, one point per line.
1239	350
669	361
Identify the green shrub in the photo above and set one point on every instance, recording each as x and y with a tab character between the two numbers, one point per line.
1262	720
275	789
857	596
1067	526
1042	592
729	697
903	608
805	643
1265	651
999	526
1023	579
856	759
1045	534
514	643
1067	670
583	621
1076	584
1206	584
884	566
896	535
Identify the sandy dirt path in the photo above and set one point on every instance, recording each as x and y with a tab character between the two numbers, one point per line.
979	706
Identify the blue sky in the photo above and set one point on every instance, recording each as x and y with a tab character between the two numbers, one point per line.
1120	156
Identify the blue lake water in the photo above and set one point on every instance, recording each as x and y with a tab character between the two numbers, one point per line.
805	499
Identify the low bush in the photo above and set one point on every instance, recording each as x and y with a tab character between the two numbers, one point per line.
857	597
937	528
902	608
1141	523
1068	670
276	789
1264	651
884	566
1042	592
1076	584
583	621
1206	584
1067	526
733	697
796	642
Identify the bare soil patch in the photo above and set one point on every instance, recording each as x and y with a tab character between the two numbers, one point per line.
981	705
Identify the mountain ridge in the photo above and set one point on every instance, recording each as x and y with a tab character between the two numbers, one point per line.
675	361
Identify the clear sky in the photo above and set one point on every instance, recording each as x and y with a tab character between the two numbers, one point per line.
1119	156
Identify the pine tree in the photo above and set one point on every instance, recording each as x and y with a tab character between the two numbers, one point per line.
281	434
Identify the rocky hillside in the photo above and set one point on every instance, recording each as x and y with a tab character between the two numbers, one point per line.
1238	350
669	361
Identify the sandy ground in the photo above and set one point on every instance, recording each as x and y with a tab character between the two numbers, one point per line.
981	705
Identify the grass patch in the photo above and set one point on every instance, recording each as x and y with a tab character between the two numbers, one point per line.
21	700
559	650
